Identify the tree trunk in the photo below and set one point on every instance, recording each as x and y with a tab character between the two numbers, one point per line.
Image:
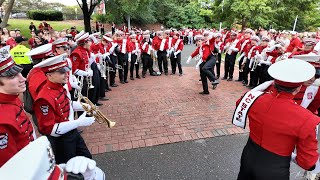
86	16
243	23
129	23
7	15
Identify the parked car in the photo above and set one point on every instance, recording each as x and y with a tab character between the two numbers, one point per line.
19	15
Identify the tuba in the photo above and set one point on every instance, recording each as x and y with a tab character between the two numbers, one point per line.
95	112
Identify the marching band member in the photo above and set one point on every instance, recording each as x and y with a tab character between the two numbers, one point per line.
16	130
37	161
231	54
134	56
161	47
175	58
268	113
206	61
109	69
147	53
82	62
255	41
308	46
243	48
218	44
122	41
294	43
111	49
54	112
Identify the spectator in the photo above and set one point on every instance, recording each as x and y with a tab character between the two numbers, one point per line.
113	28
5	35
18	33
32	27
40	27
31	40
73	31
11	41
42	36
101	28
38	42
18	55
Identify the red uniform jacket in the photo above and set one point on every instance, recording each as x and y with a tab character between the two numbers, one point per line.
275	54
51	106
16	130
243	45
161	45
80	58
204	50
278	125
123	45
36	79
294	43
177	44
146	48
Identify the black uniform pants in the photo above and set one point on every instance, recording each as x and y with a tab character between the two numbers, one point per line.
260	164
218	64
162	59
112	74
240	70
208	67
229	65
133	64
68	146
147	62
246	70
121	62
254	76
94	93
174	62
264	74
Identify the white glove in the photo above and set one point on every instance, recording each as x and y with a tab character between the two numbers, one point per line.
155	54
99	66
293	157
278	46
198	64
83	165
90	72
74	82
77	106
94	39
105	55
134	51
85	121
113	47
189	59
81	72
91	60
129	57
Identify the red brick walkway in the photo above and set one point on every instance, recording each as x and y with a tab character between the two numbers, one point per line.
164	109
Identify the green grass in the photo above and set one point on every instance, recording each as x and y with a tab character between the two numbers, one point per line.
23	25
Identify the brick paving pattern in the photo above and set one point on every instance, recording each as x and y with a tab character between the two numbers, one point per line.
164	109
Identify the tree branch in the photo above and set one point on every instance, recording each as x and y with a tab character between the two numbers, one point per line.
79	4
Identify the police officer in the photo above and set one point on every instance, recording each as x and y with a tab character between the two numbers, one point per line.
16	130
273	132
54	111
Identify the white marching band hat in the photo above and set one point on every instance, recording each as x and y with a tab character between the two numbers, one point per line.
107	38
79	35
291	72
82	38
7	65
35	161
40	52
56	63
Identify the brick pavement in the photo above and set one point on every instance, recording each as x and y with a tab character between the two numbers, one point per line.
164	109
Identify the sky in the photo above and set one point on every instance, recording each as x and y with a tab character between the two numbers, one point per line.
65	2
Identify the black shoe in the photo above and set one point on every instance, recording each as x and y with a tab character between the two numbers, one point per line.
109	89
143	76
180	74
215	82
126	81
239	80
138	77
103	99
173	73
230	79
99	104
114	85
122	82
166	73
200	80
131	78
224	78
106	90
203	92
249	86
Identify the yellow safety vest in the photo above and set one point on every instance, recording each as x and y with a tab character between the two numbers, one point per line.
18	54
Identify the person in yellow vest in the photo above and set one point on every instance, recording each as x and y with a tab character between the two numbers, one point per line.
18	55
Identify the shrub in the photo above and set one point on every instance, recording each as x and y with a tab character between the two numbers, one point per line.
48	15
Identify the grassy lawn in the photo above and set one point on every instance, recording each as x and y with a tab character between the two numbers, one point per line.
23	25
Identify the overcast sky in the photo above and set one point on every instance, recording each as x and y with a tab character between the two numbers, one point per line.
65	2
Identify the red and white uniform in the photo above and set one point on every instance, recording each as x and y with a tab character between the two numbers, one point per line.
161	45
16	130
204	51
80	58
177	45
294	43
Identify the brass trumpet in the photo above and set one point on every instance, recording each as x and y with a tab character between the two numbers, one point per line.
95	112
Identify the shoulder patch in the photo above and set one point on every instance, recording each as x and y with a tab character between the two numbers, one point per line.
45	109
4	140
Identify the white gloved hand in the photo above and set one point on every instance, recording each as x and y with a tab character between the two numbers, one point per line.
83	165
99	66
134	51
81	72
105	55
278	46
129	59
198	64
175	54
262	61
189	59
90	72
74	82
155	54
77	106
85	121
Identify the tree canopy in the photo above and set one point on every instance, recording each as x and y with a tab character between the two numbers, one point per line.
277	14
